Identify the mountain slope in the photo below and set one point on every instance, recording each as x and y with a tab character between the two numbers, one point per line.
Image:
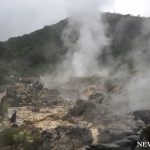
41	50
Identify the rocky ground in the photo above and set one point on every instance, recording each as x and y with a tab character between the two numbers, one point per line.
73	116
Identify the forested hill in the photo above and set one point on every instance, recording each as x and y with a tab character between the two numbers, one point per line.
41	50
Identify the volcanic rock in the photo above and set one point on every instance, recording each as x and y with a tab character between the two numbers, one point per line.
78	135
96	98
111	135
103	147
13	117
82	107
127	143
27	93
145	135
143	115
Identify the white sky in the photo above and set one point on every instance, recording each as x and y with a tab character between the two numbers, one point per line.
18	17
135	7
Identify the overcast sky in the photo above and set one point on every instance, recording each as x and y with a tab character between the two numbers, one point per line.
18	17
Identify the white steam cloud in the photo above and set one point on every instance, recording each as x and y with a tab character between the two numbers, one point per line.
84	37
135	94
139	87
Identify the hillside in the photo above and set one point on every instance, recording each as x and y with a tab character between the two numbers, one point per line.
40	51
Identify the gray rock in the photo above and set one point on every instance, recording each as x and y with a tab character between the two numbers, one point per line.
103	147
82	107
111	135
96	98
128	143
145	134
80	136
142	115
66	138
125	144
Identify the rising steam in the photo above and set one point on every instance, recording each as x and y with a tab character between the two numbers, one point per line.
84	37
135	93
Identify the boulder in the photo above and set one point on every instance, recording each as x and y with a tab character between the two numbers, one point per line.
96	98
111	135
50	134
77	135
143	115
103	147
145	134
126	144
81	107
66	138
38	85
